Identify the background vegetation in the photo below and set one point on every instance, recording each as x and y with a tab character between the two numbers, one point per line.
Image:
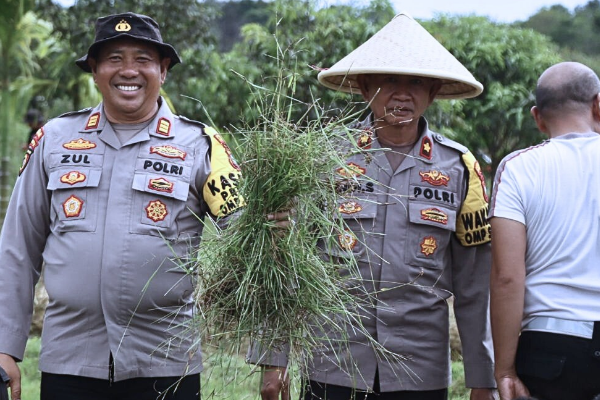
222	41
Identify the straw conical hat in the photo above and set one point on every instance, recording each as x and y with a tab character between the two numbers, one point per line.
403	47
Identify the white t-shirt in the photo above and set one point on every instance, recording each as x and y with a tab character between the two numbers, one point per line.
554	190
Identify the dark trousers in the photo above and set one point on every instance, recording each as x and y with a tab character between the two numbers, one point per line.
69	387
558	367
321	391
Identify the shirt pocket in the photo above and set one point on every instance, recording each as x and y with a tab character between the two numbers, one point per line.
429	232
359	222
74	198
158	202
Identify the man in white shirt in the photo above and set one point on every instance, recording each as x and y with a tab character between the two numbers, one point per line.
545	281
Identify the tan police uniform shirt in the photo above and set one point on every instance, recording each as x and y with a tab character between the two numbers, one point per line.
113	225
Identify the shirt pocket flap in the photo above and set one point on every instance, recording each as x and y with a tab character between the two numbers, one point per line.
424	213
161	185
70	178
357	209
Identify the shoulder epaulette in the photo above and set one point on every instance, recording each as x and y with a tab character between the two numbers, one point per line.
67	114
444	141
191	121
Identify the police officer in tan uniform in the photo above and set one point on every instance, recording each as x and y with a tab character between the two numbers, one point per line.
110	200
416	207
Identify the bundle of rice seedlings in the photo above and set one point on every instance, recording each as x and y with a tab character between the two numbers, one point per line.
260	283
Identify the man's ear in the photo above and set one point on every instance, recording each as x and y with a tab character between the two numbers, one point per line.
363	85
164	67
93	66
435	88
539	120
596	108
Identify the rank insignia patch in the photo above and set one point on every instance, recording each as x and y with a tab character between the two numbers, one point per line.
93	121
156	210
428	245
168	151
73	177
79	144
350	207
434	215
161	185
426	148
352	170
347	240
435	178
163	127
72	206
365	140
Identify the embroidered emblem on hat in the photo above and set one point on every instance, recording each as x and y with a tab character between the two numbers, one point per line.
123	26
429	245
156	210
479	173
163	127
435	178
168	151
79	144
72	206
161	185
352	170
426	148
347	240
93	121
73	177
350	207
223	143
434	215
365	140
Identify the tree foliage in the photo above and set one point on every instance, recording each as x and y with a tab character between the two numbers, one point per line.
501	58
312	38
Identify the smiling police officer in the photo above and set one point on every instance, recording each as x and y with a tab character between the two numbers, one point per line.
108	199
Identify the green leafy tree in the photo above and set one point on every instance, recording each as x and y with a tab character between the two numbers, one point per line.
26	43
507	60
305	38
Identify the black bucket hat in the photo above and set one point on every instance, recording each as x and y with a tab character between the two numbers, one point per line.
131	25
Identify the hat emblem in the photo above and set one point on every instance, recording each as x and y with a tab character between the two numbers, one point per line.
123	26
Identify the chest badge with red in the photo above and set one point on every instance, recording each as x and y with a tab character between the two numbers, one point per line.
73	177
429	245
168	151
156	210
347	240
79	144
435	178
72	206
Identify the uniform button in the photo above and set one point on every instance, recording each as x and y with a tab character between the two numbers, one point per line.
439	137
597	353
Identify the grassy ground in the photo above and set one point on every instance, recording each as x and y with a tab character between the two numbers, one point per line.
224	378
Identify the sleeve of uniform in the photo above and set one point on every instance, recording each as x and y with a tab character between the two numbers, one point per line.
221	191
471	264
24	233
